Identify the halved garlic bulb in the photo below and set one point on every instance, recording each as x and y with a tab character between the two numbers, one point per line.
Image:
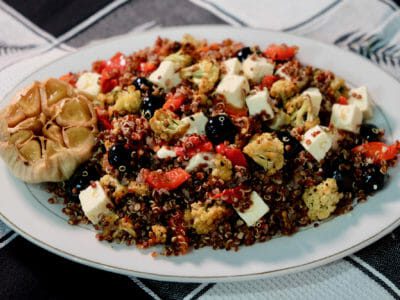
47	132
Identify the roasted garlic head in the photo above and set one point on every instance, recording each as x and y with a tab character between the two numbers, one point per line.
47	131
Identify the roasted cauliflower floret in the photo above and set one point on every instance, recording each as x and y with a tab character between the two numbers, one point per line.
222	168
321	200
267	151
338	87
280	120
204	219
166	125
127	100
301	112
160	233
108	182
119	191
188	39
283	89
179	59
204	74
138	188
113	225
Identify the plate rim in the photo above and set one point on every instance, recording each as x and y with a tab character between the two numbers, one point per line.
220	278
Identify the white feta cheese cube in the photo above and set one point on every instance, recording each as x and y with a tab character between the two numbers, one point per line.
257	102
258	209
204	159
281	73
317	141
232	66
346	117
255	68
94	202
197	123
89	83
315	97
165	76
165	152
359	97
234	88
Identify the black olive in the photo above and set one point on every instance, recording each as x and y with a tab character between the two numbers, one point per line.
80	181
336	163
372	179
220	128
144	161
150	104
142	84
243	53
344	180
291	144
370	132
120	157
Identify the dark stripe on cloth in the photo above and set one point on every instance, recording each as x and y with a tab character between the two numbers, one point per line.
57	17
203	291
6	236
29	272
322	12
390	4
169	290
222	11
384	256
373	277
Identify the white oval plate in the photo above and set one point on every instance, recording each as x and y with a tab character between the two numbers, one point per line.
25	208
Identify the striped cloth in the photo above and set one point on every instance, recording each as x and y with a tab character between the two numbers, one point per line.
36	32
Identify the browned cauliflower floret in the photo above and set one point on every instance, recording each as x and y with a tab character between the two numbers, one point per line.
166	125
338	87
280	120
127	101
113	225
321	200
283	89
140	189
160	233
267	151
222	168
204	219
301	112
118	191
110	183
204	74
180	59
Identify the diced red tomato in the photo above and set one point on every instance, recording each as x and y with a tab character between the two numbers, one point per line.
71	78
280	52
174	102
107	83
102	118
379	151
268	81
169	180
147	67
235	155
342	100
110	73
200	144
229	195
118	61
98	66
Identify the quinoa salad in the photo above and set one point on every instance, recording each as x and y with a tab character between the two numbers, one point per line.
188	144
